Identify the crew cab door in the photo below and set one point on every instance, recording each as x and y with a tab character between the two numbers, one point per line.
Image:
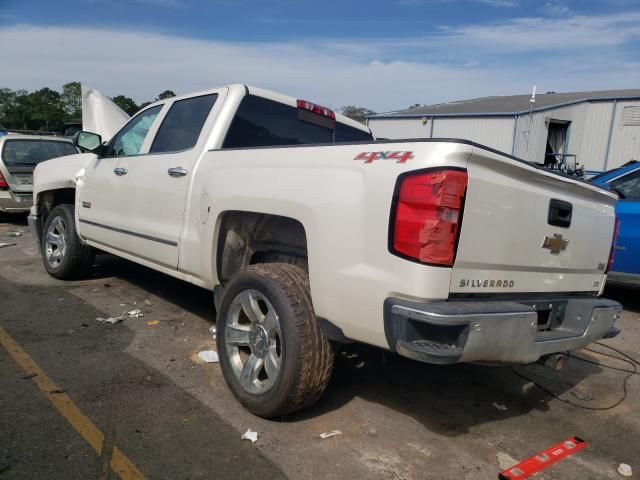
152	187
627	255
99	208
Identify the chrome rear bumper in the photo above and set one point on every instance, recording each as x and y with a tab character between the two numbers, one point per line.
495	331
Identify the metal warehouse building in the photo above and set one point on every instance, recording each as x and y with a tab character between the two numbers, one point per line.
600	130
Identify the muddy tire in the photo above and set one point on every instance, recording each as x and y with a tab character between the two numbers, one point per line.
63	255
273	355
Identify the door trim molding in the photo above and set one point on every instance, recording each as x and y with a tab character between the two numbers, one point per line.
129	232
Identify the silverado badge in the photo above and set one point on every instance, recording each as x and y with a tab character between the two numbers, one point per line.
556	244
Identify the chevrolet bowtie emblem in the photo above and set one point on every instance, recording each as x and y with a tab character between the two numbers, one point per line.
556	243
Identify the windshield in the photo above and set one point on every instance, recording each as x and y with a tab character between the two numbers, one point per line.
31	152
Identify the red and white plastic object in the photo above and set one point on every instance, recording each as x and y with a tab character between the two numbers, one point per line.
542	460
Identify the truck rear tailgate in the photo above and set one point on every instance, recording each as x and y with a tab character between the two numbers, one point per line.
528	230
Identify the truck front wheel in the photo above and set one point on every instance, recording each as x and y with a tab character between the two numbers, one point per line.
273	355
63	253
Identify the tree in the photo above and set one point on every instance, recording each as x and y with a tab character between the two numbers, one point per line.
144	104
14	108
356	113
125	103
45	110
71	100
165	94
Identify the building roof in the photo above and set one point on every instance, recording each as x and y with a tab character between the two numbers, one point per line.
509	105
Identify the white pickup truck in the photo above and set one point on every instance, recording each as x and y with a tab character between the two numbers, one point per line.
309	231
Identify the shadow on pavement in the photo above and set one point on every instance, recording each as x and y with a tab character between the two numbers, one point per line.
191	298
448	400
14	218
627	295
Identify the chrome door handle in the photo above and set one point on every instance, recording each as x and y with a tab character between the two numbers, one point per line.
177	171
120	171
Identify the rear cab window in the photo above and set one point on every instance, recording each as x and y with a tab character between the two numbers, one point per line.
25	153
261	122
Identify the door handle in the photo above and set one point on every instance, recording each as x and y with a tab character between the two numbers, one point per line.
177	171
120	171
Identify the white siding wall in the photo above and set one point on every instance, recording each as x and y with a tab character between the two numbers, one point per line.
495	132
625	140
591	144
399	128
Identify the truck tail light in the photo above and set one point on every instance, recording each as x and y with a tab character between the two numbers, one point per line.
3	181
428	211
612	252
319	109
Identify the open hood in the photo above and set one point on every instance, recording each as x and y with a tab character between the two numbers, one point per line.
100	115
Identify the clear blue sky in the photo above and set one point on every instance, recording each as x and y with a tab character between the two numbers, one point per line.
384	55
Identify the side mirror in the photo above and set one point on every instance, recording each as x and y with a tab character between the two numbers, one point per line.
88	142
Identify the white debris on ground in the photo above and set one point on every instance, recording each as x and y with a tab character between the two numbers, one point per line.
499	406
111	320
213	331
3	244
250	435
505	460
527	386
330	434
208	356
625	470
130	314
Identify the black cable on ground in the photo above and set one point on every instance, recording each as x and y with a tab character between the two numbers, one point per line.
586	360
615	350
584	407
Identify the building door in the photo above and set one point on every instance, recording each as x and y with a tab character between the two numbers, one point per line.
557	139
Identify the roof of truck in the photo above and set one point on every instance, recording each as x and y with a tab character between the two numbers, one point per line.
278	97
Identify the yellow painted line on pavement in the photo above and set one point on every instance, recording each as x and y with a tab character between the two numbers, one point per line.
84	426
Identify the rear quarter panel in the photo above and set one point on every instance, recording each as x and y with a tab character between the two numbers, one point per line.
344	206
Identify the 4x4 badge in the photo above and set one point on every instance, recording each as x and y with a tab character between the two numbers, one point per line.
556	243
398	156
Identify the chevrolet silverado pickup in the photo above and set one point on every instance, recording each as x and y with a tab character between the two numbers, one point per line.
309	231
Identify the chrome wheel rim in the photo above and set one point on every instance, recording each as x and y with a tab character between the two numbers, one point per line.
253	341
56	242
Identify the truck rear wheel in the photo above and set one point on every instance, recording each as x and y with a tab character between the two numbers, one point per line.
273	355
63	253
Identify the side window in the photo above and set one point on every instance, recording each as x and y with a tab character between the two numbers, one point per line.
629	186
181	127
129	140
